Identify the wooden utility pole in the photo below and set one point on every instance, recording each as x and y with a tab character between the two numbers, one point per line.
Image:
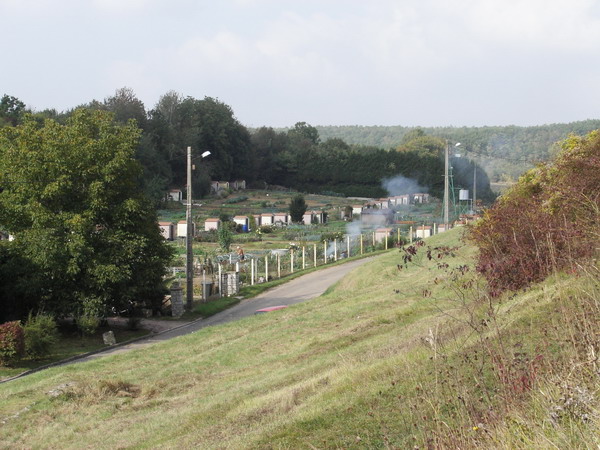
189	254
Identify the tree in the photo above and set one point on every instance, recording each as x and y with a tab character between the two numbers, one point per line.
11	110
297	208
72	198
225	235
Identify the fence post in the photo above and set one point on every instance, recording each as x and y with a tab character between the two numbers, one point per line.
266	267
335	249
291	260
252	271
410	234
220	283
373	239
303	259
348	245
278	266
315	253
361	243
325	252
386	241
398	236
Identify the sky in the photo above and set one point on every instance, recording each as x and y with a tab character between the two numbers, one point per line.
324	62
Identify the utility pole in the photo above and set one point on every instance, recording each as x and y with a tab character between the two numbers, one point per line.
474	188
446	185
189	255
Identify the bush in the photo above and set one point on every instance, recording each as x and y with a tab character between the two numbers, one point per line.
12	342
88	324
40	334
547	221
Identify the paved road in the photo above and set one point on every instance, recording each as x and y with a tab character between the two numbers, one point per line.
298	290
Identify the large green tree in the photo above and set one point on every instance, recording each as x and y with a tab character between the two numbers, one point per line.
72	198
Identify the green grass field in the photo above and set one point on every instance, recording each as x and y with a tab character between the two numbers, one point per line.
394	356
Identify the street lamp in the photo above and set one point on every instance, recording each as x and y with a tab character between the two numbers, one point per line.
189	256
447	183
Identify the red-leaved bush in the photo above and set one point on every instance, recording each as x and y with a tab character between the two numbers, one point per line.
12	341
549	220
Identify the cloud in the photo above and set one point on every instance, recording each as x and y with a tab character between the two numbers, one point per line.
121	6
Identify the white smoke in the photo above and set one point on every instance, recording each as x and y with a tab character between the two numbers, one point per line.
400	185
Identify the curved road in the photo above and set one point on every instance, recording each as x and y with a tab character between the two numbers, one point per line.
298	290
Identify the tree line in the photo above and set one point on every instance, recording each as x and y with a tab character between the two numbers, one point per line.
503	151
297	158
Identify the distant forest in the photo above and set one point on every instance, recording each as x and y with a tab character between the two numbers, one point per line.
503	151
342	160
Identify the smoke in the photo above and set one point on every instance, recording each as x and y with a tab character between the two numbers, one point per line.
400	185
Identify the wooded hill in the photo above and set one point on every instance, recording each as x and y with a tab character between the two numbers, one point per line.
503	151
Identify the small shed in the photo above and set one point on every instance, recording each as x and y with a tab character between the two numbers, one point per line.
280	217
182	229
423	231
357	210
383	203
238	185
307	218
243	221
383	233
420	198
167	229
211	224
175	195
266	219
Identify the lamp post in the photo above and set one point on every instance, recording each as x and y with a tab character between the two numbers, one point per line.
189	255
447	183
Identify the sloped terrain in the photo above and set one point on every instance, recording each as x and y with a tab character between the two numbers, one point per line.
406	351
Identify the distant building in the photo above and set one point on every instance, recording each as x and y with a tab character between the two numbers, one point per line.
423	231
211	224
238	185
243	221
266	219
383	233
182	229
280	217
175	195
167	229
420	198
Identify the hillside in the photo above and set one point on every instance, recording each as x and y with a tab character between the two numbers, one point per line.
501	150
407	351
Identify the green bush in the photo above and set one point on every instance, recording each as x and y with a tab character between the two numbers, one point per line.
40	334
12	342
88	324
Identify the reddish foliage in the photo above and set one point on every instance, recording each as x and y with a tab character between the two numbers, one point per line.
548	221
12	341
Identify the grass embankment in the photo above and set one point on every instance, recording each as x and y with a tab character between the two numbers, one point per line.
68	345
391	357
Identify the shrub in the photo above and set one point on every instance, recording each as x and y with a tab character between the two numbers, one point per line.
12	342
88	324
547	221
40	334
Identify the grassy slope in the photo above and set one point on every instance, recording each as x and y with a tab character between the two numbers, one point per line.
375	362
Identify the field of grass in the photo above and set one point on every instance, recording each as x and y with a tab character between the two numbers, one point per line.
405	352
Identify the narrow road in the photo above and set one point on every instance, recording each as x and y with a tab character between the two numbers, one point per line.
298	290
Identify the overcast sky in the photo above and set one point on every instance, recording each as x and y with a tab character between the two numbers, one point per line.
325	62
